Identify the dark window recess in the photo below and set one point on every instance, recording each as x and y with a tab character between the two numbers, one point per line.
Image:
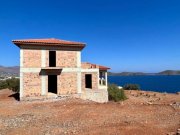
88	81
52	83
52	58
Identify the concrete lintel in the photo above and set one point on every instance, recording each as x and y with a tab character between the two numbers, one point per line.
36	70
30	70
90	70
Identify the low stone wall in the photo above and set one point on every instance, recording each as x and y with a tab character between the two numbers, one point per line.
100	96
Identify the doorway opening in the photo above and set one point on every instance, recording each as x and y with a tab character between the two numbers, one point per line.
52	58
52	84
88	81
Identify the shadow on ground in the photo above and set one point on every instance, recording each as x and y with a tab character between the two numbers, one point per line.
15	96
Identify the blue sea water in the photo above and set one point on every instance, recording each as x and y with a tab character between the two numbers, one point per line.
158	83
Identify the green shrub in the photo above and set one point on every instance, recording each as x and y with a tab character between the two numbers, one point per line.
131	87
12	84
115	93
3	85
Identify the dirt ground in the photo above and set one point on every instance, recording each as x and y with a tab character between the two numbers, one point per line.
143	113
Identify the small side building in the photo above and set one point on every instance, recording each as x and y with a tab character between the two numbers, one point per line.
52	68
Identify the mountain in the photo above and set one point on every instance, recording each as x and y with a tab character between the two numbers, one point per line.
169	72
15	71
126	74
9	70
166	72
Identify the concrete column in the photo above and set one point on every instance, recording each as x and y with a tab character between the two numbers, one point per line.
43	84
43	58
21	73
79	59
79	89
43	77
98	79
106	79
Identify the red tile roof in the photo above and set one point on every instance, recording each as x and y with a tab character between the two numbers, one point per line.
48	42
97	66
103	67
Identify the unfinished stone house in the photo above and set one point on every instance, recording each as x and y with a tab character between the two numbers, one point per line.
52	68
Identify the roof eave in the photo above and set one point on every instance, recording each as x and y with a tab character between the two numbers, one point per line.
19	44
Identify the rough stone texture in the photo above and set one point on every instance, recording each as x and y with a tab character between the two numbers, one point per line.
94	80
86	65
67	59
31	58
100	96
67	83
31	84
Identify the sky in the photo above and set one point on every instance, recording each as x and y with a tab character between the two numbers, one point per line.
125	35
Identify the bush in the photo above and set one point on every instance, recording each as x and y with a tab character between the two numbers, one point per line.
115	93
3	85
131	87
12	84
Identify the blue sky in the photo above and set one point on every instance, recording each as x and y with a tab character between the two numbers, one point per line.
126	35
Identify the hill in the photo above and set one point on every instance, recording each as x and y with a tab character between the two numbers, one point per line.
169	72
126	74
166	72
8	71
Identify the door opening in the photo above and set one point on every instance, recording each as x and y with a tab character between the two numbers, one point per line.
88	81
52	83
52	58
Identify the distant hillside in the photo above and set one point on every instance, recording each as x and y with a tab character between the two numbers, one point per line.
126	74
9	70
166	72
169	72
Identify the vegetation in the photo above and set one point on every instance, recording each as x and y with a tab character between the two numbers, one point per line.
115	93
131	87
12	84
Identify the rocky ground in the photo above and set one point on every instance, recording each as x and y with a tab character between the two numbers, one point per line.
143	113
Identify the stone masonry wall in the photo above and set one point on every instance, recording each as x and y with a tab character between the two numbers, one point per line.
94	80
67	83
31	58
100	96
31	84
65	59
86	65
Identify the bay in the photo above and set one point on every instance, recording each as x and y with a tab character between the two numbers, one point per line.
158	83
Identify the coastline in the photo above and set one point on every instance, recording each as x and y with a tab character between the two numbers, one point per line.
155	83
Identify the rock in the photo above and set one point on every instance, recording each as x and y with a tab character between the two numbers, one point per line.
120	87
149	103
171	133
178	131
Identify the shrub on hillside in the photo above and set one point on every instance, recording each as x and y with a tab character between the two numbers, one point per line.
131	87
3	85
115	93
12	84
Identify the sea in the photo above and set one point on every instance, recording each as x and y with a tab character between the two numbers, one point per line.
157	83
